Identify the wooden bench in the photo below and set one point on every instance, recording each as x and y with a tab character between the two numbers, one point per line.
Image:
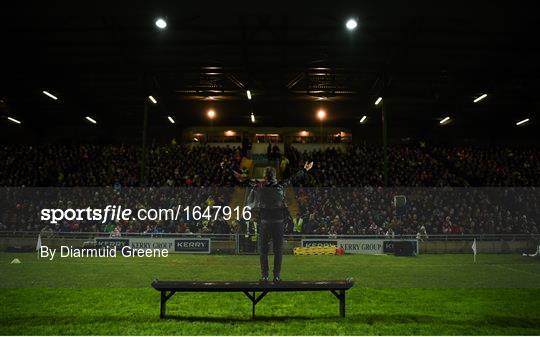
250	289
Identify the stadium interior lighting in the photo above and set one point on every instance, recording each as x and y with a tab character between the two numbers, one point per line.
170	119
378	101
252	118
152	99
351	24
50	95
211	97
16	121
444	120
230	133
523	121
161	23
304	133
91	120
248	93
479	98
363	119
321	114
211	114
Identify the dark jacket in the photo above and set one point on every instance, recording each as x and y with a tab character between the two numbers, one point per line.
268	198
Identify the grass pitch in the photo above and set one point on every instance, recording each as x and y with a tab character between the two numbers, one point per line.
425	295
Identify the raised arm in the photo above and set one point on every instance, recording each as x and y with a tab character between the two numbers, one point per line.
237	175
300	175
230	170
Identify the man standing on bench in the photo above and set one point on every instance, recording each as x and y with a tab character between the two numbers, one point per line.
268	196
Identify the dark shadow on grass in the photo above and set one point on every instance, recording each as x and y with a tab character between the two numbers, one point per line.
351	319
261	318
370	319
66	319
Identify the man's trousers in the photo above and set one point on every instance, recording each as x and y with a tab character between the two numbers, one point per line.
271	230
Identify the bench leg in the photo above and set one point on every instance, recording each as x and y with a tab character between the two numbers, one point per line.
163	302
163	305
253	307
341	297
254	300
342	303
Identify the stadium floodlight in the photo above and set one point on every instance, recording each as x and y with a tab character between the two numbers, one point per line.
479	98
321	114
378	100
526	120
16	121
248	93
49	94
444	120
351	24
211	114
252	118
152	99
170	119
161	23
363	119
91	120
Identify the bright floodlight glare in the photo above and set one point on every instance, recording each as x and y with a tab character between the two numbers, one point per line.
252	118
444	120
522	122
321	114
378	101
248	93
479	98
351	24
152	99
91	120
161	24
363	119
211	114
170	119
16	121
50	95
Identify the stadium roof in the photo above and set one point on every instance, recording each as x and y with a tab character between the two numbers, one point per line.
427	61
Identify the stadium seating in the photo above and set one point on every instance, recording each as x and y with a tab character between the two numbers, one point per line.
352	177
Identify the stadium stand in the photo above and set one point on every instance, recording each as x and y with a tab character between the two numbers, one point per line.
351	174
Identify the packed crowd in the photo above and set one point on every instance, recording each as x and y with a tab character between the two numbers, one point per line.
111	175
104	165
368	210
463	202
422	166
341	195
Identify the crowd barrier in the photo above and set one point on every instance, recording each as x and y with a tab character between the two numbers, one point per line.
247	244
